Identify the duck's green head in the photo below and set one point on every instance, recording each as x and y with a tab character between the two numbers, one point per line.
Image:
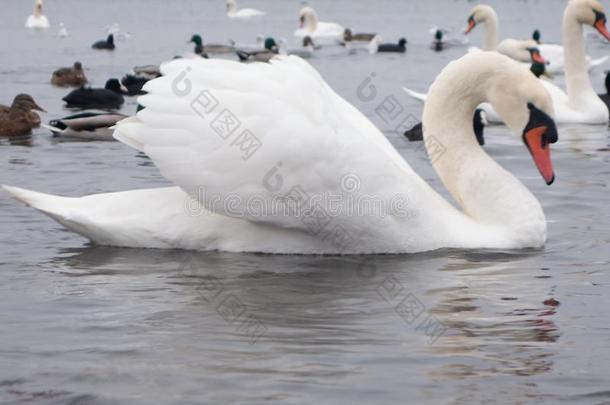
438	35
197	39
270	44
536	36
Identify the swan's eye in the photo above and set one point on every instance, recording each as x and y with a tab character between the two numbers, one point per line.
599	16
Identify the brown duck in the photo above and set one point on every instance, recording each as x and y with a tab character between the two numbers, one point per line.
69	77
19	119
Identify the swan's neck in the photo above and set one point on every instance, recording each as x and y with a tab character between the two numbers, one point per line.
487	193
491	31
575	59
312	23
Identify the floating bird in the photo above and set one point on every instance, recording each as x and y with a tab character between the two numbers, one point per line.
306	51
107	45
37	20
377	45
110	97
134	83
69	77
209	48
536	36
263	55
19	119
63	31
497	210
88	126
242	14
321	32
348	36
554	54
438	44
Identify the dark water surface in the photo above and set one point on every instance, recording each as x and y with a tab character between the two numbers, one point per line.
93	325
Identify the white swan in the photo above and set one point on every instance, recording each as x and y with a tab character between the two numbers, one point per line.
63	31
581	104
242	14
554	54
320	32
37	20
317	159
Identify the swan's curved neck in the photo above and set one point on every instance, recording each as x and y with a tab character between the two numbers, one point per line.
575	59
231	7
491	31
312	22
486	192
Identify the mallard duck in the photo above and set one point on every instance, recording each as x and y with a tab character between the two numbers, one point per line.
201	49
90	125
19	119
348	36
263	55
69	77
110	97
242	14
107	44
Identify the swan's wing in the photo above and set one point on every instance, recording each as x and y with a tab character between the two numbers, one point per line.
251	140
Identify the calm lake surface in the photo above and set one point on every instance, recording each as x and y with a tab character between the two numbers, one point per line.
82	324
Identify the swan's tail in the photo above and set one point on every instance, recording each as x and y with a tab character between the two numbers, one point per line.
55	206
598	62
415	95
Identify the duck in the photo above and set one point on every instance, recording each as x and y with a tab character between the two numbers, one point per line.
264	55
89	126
332	147
438	44
306	51
19	119
554	54
200	48
377	45
107	45
537	36
69	77
133	84
148	71
63	31
242	14
37	21
479	122
321	32
606	97
348	36
110	97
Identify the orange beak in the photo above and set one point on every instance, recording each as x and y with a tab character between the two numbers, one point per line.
600	26
541	152
536	57
471	24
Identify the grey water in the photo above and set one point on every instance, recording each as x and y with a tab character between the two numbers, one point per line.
83	324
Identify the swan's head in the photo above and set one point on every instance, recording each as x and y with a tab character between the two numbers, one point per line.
308	18
526	107
231	5
479	14
589	12
38	7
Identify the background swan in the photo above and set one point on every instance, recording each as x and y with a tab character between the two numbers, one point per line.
554	54
329	141
581	104
327	32
37	20
242	14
